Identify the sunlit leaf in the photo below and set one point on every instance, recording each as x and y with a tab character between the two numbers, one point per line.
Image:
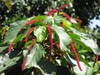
34	56
40	33
64	38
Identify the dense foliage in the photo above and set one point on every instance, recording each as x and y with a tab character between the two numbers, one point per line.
18	9
48	44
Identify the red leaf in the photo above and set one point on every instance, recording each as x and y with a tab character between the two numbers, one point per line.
96	58
10	47
75	54
23	64
50	40
28	32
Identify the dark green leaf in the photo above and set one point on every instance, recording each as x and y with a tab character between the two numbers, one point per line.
47	67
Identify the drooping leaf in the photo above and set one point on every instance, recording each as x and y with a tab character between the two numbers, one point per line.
9	60
92	69
64	38
14	29
84	41
91	45
40	33
34	56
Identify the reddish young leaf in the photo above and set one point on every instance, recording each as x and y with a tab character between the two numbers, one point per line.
63	6
50	40
75	54
28	32
10	47
96	58
23	64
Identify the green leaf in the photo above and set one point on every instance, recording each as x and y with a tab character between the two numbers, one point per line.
91	45
40	17
83	60
9	60
68	59
3	48
14	29
84	41
47	67
64	38
93	68
51	20
34	56
40	33
66	23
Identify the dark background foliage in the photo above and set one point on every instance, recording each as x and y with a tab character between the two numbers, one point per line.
83	9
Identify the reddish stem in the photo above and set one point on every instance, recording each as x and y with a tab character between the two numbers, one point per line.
78	20
51	12
33	42
63	6
10	47
62	24
67	16
75	54
23	64
29	22
50	40
24	61
96	58
27	34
